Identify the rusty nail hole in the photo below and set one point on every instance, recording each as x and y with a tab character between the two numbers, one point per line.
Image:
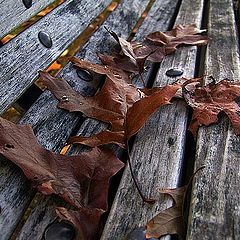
8	146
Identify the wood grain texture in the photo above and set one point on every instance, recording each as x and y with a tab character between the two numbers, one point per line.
24	56
215	212
13	13
53	126
158	150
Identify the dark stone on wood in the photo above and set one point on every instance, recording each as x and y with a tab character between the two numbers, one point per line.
84	75
27	3
174	72
59	231
45	39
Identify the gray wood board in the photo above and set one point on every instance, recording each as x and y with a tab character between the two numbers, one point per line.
13	13
53	126
214	212
24	56
158	150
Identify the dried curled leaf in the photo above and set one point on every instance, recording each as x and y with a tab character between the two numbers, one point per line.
171	220
156	46
119	103
81	180
208	101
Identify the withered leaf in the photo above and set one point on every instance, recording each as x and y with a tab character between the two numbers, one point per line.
119	103
86	220
208	101
171	220
154	48
181	34
81	180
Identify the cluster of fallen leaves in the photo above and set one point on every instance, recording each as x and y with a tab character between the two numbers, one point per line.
83	180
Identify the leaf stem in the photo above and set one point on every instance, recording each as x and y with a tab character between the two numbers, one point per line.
146	200
142	80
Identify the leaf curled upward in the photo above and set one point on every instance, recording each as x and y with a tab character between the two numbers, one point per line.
81	180
154	48
170	220
208	101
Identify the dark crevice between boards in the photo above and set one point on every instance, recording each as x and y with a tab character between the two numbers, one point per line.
201	51
33	92
190	141
236	8
141	19
15	32
154	67
190	150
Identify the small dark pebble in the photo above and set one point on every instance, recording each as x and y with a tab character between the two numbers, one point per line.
27	3
174	72
84	75
139	234
45	39
59	231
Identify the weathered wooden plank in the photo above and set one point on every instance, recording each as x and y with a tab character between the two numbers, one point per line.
214	212
24	56
13	13
16	194
53	126
158	150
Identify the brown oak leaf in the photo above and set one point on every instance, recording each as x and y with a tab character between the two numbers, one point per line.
171	220
86	220
208	101
156	46
118	102
81	180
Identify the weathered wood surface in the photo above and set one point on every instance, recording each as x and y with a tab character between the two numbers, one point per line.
13	13
15	191
215	212
158	151
64	24
53	126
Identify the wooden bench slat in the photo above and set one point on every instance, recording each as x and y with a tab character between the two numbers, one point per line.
24	56
158	150
53	126
16	195
214	212
13	13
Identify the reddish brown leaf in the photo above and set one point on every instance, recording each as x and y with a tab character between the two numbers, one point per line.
81	180
85	220
169	221
181	34
208	101
156	46
118	102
